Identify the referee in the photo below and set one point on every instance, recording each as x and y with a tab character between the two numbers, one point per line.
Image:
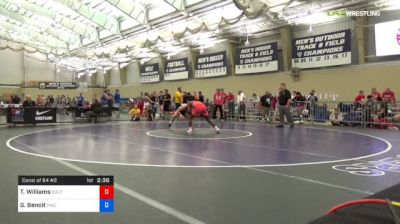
284	106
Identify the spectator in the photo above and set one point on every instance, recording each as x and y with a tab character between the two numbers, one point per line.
15	99
360	97
95	110
160	99
207	103
40	101
28	102
241	105
255	98
388	95
336	117
103	98
140	102
188	97
152	110
51	100
81	100
201	97
225	105
312	98
218	104
148	110
266	101
196	96
178	98
284	106
117	98
134	113
166	102
230	99
375	93
110	99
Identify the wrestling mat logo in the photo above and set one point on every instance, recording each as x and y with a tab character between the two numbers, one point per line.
372	168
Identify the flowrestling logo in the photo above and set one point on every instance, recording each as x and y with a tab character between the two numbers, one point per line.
348	13
372	168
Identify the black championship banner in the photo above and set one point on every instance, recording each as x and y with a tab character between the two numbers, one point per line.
176	69
57	85
257	59
322	50
31	115
211	65
149	73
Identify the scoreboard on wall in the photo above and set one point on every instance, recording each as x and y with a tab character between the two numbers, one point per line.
66	194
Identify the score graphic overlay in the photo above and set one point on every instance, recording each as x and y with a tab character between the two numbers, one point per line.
66	194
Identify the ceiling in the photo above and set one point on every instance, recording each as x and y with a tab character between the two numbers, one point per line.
89	35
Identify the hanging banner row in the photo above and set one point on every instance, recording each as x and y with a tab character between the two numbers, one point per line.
322	50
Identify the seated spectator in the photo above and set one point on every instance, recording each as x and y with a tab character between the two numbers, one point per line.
388	95
28	102
134	113
95	110
299	105
336	117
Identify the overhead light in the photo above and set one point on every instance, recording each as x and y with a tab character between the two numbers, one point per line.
123	65
201	50
247	43
168	56
310	30
58	69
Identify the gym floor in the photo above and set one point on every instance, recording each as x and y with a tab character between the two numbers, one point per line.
250	173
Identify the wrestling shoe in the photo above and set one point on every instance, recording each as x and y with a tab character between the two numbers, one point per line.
217	130
190	131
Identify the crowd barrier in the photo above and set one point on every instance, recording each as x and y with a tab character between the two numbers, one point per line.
367	114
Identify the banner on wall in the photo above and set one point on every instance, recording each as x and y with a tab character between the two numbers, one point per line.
322	50
211	65
149	73
57	85
176	69
257	59
31	115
